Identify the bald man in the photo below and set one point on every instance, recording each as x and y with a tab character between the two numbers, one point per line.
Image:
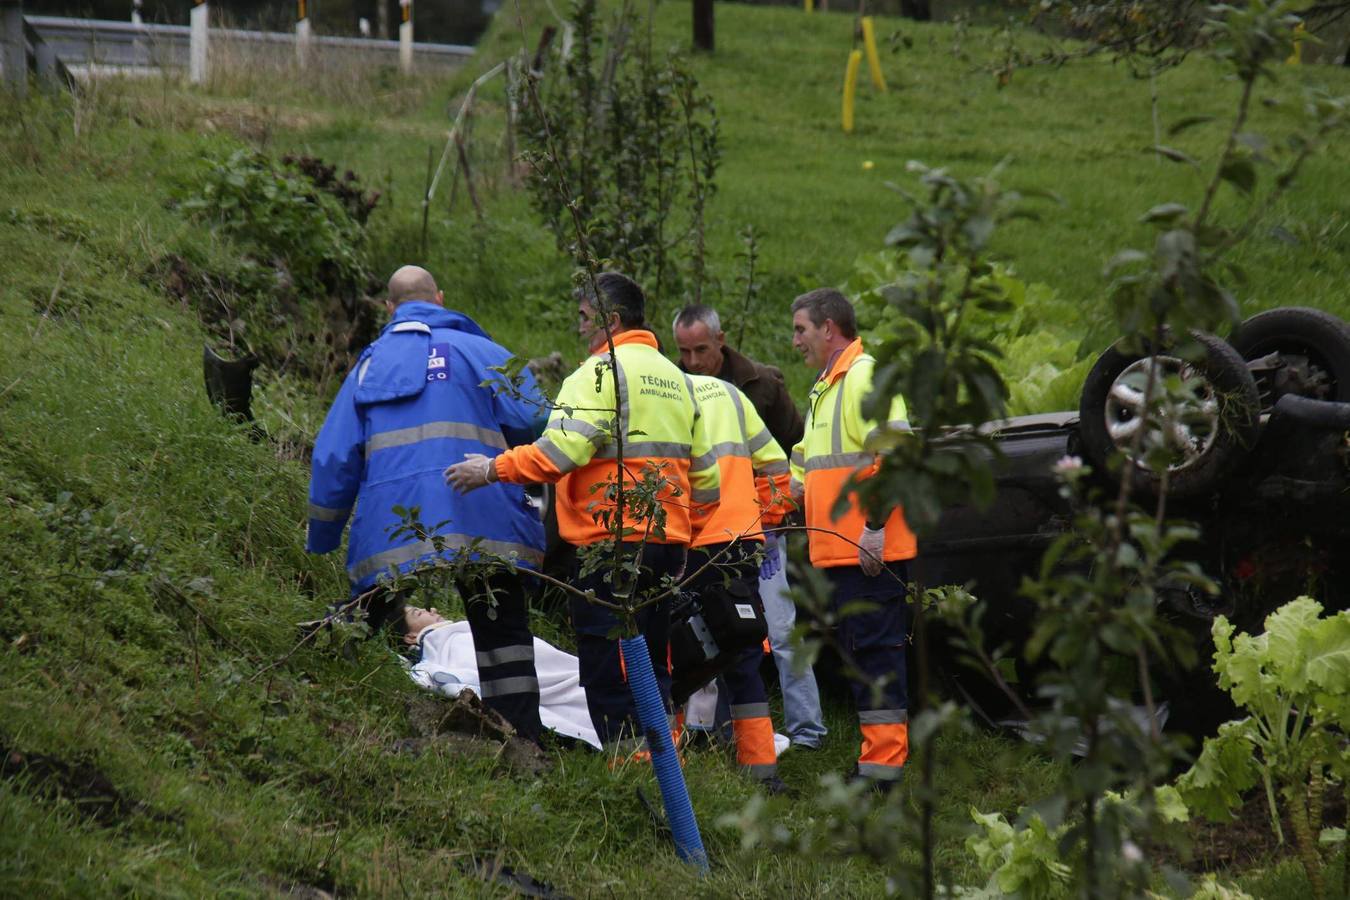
412	405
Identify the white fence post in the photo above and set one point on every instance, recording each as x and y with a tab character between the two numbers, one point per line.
405	38
302	35
135	12
197	56
13	48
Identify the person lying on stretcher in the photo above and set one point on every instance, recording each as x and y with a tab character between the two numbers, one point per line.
446	663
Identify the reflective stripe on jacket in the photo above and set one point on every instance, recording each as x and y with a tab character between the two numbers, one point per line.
660	427
753	468
412	406
832	450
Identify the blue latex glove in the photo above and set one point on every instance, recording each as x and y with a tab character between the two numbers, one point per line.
772	561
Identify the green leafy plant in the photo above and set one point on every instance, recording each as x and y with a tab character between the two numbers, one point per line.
280	214
292	290
1040	367
1293	680
932	338
636	140
1021	862
1025	860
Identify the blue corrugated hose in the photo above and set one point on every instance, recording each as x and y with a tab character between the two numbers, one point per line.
652	716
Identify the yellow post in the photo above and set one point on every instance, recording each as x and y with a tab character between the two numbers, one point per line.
873	61
851	88
1296	58
809	5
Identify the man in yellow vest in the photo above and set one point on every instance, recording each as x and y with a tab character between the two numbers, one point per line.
728	535
658	424
864	561
704	351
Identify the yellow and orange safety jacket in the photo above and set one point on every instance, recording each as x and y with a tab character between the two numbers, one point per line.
753	470
832	450
660	426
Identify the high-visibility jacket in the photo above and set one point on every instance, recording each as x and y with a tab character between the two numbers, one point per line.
411	406
832	450
753	468
660	426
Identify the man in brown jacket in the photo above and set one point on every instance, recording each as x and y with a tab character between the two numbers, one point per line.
703	351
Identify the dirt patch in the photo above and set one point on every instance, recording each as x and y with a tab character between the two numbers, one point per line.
1245	843
78	782
465	724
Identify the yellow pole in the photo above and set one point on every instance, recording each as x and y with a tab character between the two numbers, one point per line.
1296	58
873	61
851	88
809	5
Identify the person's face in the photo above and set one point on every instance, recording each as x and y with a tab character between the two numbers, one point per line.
812	342
418	619
700	348
591	327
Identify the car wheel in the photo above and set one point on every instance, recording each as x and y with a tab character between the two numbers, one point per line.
1296	350
1203	435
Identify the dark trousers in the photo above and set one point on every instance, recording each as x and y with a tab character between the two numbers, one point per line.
873	641
497	608
744	684
602	669
749	702
498	612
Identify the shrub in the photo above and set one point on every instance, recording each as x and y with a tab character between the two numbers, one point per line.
281	215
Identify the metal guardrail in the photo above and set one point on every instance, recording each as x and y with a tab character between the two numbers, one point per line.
124	44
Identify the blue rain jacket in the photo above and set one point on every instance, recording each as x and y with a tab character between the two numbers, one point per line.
412	406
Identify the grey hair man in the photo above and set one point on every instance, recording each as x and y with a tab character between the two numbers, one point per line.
704	351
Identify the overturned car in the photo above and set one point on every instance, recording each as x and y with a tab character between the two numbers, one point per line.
1261	466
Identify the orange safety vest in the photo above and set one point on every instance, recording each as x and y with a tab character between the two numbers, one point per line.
833	450
752	467
661	428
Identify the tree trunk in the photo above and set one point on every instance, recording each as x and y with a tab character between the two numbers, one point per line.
703	25
916	9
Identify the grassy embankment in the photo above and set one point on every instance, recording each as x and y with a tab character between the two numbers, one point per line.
151	554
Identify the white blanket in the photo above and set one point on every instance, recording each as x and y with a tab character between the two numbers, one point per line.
448	666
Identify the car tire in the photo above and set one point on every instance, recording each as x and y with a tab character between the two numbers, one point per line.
1210	448
1313	348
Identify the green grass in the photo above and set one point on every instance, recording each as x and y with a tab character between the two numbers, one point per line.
242	777
789	170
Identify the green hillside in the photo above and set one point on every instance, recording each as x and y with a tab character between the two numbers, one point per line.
162	732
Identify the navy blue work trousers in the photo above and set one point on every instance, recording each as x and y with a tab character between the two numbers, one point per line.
602	671
873	641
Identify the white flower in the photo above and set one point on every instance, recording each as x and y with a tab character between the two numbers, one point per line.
1068	465
1130	850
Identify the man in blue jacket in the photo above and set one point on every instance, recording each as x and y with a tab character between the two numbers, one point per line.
414	404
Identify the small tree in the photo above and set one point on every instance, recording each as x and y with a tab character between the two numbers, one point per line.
637	141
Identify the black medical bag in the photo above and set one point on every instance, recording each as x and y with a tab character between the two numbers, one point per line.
709	630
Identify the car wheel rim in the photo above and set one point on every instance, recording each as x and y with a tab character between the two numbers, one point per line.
1184	423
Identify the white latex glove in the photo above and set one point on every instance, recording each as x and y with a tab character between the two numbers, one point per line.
476	471
870	548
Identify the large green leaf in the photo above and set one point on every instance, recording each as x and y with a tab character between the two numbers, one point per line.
1225	769
1328	669
1289	633
1238	662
